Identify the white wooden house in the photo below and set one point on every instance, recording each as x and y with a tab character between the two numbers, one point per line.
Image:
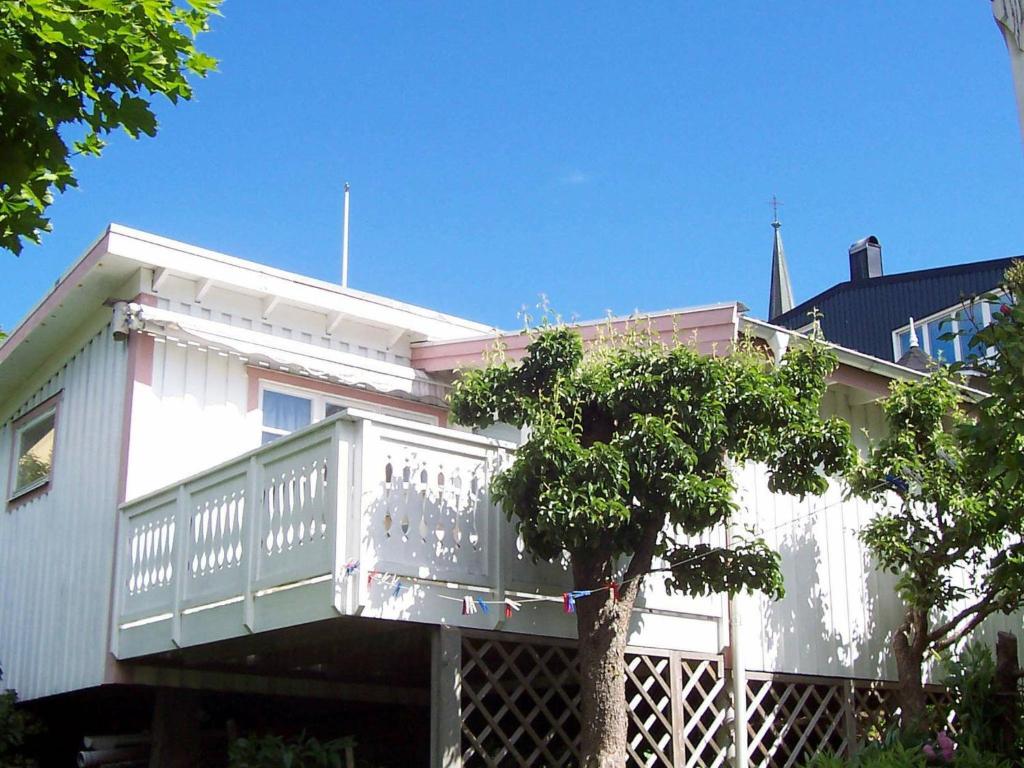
225	478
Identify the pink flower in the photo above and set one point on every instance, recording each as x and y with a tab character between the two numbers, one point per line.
947	746
929	752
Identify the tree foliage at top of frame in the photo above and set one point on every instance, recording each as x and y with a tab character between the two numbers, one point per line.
73	71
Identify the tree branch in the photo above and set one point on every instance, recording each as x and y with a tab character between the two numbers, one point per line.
640	562
984	607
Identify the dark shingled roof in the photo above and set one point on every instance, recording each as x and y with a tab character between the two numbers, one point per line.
862	315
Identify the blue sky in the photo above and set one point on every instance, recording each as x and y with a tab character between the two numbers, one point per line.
611	157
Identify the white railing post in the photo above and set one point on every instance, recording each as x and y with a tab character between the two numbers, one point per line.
496	539
181	537
338	482
365	470
251	536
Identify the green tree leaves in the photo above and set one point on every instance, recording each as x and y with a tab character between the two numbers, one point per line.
952	529
636	435
72	71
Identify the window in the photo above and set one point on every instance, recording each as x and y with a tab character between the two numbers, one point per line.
286	409
964	322
34	437
284	413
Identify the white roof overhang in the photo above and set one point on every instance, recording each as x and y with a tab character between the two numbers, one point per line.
111	262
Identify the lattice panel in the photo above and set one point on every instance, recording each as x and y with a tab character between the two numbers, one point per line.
940	706
649	698
791	720
520	704
704	705
874	709
520	707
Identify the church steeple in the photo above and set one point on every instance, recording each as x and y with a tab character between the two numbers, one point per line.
780	299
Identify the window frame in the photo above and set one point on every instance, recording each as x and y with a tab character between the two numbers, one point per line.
320	400
17	496
952	312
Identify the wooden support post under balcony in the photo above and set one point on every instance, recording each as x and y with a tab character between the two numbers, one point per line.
446	698
176	741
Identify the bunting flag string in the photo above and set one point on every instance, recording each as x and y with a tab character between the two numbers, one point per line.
351	567
468	606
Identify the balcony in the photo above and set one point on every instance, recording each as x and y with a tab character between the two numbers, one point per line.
358	515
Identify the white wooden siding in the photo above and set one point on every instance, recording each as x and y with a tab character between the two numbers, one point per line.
193	416
56	551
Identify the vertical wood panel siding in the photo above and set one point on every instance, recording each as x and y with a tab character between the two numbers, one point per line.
838	609
56	550
193	417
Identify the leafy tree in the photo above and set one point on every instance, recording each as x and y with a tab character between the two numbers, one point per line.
953	526
998	430
629	452
74	71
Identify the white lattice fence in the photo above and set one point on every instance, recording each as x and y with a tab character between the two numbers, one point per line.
520	707
875	709
790	719
520	704
649	698
703	709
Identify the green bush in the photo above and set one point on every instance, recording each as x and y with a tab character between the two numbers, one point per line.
982	714
16	726
894	754
300	752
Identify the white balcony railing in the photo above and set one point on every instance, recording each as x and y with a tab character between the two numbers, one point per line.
323	523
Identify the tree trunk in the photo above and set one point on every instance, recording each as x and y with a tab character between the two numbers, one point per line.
909	642
1007	676
603	626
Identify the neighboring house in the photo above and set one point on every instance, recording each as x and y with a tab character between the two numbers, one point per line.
872	312
233	501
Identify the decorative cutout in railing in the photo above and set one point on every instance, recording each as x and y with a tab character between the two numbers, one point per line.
151	552
216	533
428	511
294	507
